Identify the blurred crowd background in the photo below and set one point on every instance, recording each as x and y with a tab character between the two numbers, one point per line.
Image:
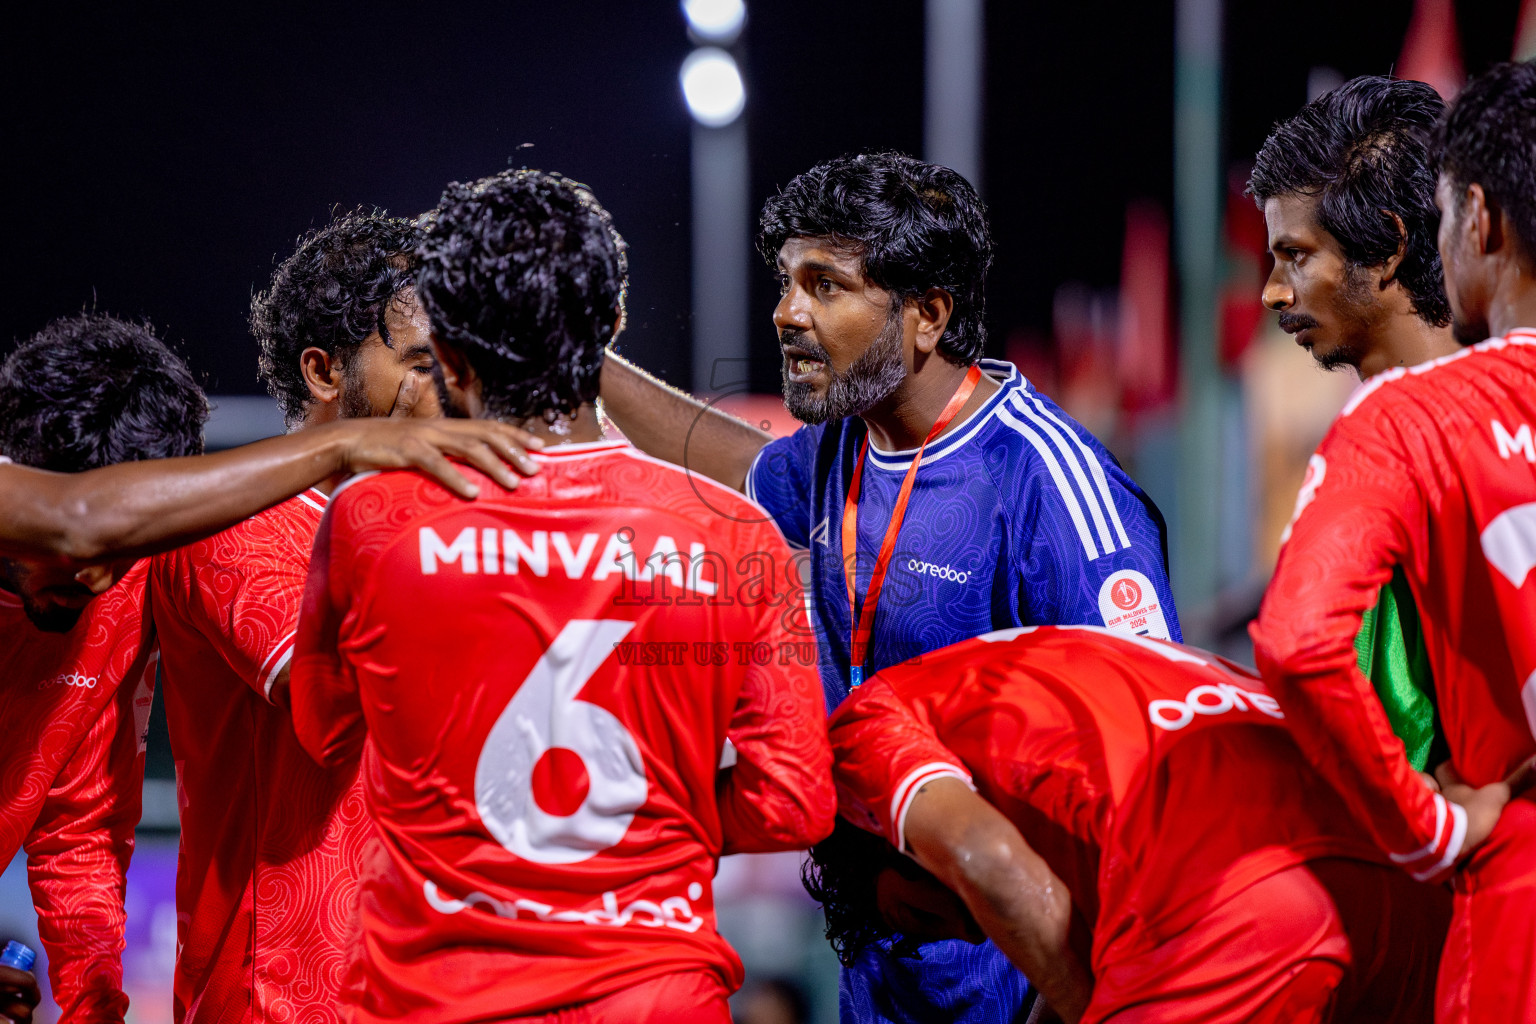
164	160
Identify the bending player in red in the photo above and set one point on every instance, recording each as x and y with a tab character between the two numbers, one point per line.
1432	470
78	669
270	842
575	697
1144	839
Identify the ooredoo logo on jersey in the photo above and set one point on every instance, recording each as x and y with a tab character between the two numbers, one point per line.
75	679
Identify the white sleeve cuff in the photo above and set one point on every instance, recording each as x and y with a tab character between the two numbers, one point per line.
908	788
278	660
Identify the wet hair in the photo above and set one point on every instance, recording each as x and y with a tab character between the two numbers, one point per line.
1488	138
524	273
91	390
915	225
1364	149
840	874
331	294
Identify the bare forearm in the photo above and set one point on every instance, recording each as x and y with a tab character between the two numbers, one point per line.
1011	892
677	428
1028	916
136	508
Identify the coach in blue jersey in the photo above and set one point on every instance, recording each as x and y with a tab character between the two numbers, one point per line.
939	495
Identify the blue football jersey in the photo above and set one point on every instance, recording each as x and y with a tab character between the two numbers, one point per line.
1018	517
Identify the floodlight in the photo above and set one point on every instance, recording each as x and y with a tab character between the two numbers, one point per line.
715	21
712	86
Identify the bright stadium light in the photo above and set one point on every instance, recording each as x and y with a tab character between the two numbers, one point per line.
712	86
715	21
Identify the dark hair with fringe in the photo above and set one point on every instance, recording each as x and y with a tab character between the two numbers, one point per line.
331	294
1488	138
1363	149
524	273
91	390
840	874
915	225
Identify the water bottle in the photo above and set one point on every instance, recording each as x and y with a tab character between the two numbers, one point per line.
18	955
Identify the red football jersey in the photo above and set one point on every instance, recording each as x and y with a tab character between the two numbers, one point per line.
76	706
270	841
547	679
1432	469
1156	780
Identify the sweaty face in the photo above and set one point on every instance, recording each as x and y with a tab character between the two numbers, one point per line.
393	379
54	596
843	337
1322	299
1463	286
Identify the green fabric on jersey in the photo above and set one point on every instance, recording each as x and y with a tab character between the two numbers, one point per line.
1390	650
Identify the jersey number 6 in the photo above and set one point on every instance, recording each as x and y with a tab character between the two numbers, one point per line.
560	779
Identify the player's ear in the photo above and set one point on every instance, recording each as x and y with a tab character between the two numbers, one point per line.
934	308
457	373
322	374
1389	268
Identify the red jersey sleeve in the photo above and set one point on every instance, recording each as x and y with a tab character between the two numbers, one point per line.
778	795
1357	511
78	851
327	708
883	754
241	590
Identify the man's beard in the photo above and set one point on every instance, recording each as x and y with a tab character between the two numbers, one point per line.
354	404
452	408
870	380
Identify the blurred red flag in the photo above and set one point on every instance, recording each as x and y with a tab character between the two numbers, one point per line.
1432	48
1145	351
1525	34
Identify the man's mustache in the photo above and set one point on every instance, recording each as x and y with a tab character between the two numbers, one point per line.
798	339
1291	323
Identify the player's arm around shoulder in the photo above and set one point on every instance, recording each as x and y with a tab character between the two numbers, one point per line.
779	794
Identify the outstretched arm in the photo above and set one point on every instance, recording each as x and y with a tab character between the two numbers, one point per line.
675	427
1018	901
140	508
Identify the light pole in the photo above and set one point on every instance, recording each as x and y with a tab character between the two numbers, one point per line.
716	97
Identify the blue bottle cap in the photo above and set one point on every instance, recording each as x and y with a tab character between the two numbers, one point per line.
18	955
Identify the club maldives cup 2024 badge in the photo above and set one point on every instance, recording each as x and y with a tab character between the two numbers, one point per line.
1128	602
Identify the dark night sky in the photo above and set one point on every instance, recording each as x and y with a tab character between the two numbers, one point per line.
159	162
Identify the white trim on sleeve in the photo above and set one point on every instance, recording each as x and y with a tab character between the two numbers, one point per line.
901	802
281	655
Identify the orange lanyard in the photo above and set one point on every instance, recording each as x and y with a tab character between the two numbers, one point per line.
864	618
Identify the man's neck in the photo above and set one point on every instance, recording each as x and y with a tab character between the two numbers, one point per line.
583	427
1409	340
1514	300
903	420
315	414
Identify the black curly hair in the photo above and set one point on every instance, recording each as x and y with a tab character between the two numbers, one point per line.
524	273
331	294
91	390
1364	149
1488	138
915	225
840	874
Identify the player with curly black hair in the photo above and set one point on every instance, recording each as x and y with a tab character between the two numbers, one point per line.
551	811
85	392
943	481
340	331
520	274
342	337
